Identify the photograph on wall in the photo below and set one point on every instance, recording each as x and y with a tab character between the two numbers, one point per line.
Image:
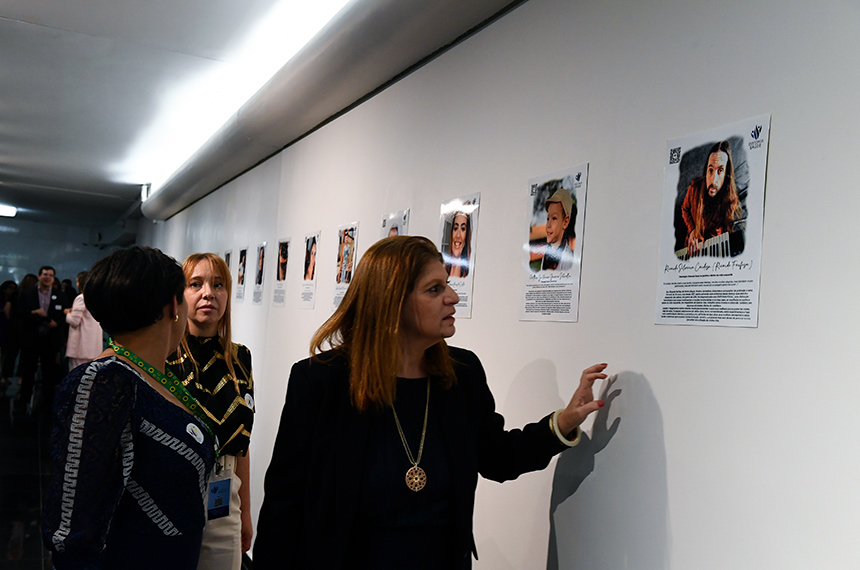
240	274
395	224
711	230
309	275
257	297
552	260
228	256
458	223
279	294
347	237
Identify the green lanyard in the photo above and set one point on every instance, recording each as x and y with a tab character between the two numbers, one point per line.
170	382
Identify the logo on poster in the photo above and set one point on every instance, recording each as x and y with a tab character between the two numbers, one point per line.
755	134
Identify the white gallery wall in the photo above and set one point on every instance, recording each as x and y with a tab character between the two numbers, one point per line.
735	448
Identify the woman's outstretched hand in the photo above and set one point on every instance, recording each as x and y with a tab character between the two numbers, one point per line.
582	403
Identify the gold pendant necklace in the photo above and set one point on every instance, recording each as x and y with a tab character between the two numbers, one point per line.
416	478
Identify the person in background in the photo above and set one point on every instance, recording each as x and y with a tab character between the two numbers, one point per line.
68	290
132	450
42	310
382	438
12	347
8	334
27	282
85	341
217	372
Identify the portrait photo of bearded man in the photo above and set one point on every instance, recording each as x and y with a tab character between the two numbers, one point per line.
712	210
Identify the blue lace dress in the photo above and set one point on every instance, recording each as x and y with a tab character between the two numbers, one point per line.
130	471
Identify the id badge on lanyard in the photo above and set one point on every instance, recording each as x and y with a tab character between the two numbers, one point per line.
218	497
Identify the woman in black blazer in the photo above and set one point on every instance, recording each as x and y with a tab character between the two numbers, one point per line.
383	436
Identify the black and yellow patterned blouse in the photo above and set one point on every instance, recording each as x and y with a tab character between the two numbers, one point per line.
230	413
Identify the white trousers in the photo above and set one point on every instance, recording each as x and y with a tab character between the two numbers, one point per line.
222	537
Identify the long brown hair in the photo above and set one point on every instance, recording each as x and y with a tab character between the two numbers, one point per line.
366	324
730	203
225	334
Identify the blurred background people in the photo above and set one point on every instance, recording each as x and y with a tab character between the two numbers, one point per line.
86	339
8	334
68	290
42	310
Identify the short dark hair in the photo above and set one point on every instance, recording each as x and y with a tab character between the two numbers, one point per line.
128	290
44	267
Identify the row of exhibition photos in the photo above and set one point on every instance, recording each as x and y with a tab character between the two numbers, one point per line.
710	238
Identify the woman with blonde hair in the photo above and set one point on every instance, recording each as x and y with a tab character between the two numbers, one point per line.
383	436
217	372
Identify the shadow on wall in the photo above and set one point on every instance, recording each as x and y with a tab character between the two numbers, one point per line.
617	518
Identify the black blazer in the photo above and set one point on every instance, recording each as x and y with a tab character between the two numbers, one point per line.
28	301
311	489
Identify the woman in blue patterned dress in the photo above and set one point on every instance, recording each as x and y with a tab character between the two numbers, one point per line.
131	451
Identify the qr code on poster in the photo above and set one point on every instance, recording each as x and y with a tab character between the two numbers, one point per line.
675	155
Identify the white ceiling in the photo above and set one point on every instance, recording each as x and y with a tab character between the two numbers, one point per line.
82	81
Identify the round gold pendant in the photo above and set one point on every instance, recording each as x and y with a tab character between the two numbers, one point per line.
416	478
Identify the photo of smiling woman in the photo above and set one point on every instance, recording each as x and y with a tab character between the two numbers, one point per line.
217	372
385	429
458	236
458	247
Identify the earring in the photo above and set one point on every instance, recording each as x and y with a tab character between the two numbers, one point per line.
176	319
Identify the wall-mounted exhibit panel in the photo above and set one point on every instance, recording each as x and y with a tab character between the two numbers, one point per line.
715	450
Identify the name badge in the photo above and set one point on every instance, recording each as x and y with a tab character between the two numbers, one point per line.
195	432
218	501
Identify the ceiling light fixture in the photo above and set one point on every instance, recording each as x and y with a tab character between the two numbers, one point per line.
193	111
8	211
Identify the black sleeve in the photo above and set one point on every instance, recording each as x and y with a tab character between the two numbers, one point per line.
504	454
